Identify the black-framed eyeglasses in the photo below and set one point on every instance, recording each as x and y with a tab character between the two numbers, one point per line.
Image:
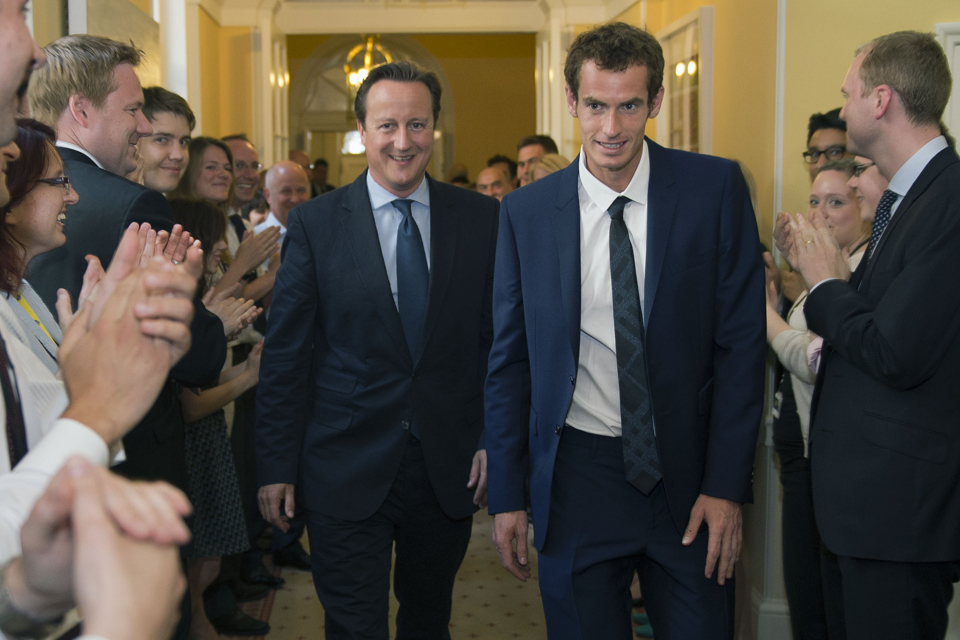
858	169
833	153
243	166
60	181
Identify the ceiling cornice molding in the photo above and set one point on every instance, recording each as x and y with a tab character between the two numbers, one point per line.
480	16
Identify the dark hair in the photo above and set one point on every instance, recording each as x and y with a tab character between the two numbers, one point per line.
203	220
159	100
497	159
616	47
186	188
402	71
915	66
320	162
829	120
844	166
236	136
34	139
549	146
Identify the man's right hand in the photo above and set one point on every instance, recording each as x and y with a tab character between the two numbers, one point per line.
270	497
508	527
254	248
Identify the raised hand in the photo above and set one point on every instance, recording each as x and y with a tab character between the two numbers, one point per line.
257	247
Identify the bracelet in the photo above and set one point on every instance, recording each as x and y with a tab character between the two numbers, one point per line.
15	623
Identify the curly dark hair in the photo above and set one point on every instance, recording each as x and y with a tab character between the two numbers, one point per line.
35	140
615	47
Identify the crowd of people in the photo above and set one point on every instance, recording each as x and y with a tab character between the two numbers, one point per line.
429	351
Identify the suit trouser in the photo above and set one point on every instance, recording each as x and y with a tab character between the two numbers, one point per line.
601	530
877	599
351	561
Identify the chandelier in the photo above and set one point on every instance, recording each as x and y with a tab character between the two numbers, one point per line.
362	59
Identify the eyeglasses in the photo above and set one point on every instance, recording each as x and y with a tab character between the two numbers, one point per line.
833	153
858	169
60	181
243	166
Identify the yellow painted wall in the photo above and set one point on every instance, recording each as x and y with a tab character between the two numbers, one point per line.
210	71
491	78
144	5
226	93
236	81
47	21
814	73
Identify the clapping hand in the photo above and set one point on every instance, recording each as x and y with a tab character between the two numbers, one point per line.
815	252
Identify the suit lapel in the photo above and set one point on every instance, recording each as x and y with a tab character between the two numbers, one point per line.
661	206
937	164
443	248
356	219
566	227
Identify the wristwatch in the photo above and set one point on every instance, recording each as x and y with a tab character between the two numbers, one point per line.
15	623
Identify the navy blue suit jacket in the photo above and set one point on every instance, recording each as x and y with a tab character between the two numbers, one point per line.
884	443
705	332
338	386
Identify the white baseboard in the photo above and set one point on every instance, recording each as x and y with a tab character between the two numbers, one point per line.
772	616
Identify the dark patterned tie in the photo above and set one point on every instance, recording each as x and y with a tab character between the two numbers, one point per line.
413	278
880	220
636	416
16	433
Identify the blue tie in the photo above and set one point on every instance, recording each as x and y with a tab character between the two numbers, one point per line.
881	220
413	278
640	458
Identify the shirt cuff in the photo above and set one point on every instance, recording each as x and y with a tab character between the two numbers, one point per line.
67	438
814	287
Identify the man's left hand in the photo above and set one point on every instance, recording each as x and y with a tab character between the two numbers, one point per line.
478	478
725	527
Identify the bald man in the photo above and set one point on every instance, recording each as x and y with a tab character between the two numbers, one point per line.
286	186
493	181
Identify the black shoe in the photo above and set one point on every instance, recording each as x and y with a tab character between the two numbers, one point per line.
245	592
262	577
240	624
293	556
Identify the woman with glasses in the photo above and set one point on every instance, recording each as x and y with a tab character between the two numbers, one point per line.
33	220
832	196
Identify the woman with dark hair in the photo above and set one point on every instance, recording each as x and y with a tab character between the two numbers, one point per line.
219	527
209	177
33	224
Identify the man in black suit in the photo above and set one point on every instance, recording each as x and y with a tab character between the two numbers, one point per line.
370	394
884	447
90	93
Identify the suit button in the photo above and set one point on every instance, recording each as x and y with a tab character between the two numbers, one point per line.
405	424
573	380
558	429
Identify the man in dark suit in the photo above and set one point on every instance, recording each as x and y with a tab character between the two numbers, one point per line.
628	316
370	394
91	94
884	447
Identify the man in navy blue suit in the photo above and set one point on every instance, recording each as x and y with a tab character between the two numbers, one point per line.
628	325
371	385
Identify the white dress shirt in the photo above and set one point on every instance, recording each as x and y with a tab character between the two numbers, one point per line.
596	396
271	221
388	218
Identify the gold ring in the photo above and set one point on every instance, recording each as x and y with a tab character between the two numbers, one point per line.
808	242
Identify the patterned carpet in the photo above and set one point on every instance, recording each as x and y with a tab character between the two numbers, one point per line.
488	603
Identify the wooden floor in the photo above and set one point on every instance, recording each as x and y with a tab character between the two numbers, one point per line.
488	603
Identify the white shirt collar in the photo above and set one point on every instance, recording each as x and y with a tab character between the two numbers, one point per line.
912	168
380	196
69	145
603	196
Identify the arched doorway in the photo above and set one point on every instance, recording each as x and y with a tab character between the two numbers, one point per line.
321	107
